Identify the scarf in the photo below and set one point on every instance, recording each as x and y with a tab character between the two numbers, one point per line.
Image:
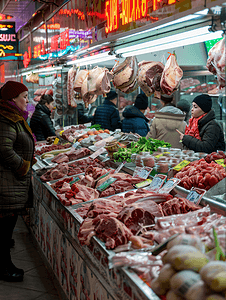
12	112
24	114
192	128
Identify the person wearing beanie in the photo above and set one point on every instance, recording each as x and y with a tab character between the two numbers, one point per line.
107	114
41	123
166	121
203	133
134	119
16	159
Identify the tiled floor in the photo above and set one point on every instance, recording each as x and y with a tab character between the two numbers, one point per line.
38	284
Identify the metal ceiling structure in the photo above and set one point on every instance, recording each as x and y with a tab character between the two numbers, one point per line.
21	10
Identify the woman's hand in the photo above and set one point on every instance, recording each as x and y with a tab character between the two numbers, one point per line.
181	135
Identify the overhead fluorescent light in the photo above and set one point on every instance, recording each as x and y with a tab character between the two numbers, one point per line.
182	39
168	39
42	70
183	19
92	59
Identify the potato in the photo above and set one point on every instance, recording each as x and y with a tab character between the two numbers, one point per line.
166	274
214	275
197	291
182	281
176	250
171	295
215	297
183	257
187	239
190	261
158	288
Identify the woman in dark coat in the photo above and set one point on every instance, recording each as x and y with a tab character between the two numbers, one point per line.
41	123
16	158
203	134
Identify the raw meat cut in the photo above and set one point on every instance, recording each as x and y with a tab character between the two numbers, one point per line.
178	206
113	232
103	206
86	95
140	214
85	193
125	74
98	81
149	76
216	61
70	87
171	76
79	78
55	173
72	154
187	219
60	158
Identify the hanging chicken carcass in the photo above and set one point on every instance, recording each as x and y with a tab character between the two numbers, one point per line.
171	76
70	87
125	75
79	79
98	81
149	76
216	61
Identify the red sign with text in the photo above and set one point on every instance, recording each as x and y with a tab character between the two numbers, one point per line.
131	11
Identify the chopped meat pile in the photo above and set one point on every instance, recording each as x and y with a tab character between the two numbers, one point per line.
72	154
64	169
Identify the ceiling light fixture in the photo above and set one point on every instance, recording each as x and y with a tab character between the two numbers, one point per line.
89	60
173	41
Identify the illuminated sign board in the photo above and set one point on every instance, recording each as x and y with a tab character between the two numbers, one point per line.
5	17
127	11
8	41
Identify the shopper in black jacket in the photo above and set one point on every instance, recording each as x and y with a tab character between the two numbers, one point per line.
203	134
107	114
41	123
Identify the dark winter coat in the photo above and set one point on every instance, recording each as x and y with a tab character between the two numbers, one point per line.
212	137
16	156
134	121
107	116
41	124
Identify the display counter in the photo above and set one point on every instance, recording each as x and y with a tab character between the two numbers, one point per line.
83	272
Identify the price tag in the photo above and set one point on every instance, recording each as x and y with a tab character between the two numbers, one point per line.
75	145
119	167
220	162
169	185
56	141
182	164
97	153
157	156
195	195
142	172
157	182
103	176
76	179
143	183
106	184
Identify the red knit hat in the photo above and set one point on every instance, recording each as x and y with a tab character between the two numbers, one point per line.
12	89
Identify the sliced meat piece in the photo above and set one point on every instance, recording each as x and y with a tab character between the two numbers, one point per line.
171	76
137	214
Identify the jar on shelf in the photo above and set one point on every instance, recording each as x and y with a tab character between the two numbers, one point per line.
162	167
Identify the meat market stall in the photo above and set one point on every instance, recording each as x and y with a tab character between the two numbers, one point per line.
83	271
